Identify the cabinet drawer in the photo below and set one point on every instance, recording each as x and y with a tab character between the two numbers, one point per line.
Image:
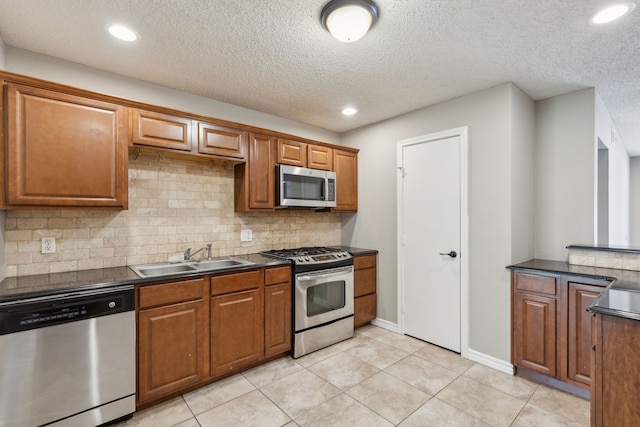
535	283
236	282
364	261
273	276
170	293
364	282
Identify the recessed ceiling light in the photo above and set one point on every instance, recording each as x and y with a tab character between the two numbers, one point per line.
122	33
612	12
349	111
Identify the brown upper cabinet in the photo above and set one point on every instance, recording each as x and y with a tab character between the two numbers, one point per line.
345	165
68	148
297	153
63	150
174	132
160	130
255	180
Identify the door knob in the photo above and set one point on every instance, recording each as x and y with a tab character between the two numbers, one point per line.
452	254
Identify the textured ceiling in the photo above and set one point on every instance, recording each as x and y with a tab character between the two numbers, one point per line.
275	57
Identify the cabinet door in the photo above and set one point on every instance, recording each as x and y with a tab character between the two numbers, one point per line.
277	319
64	150
319	157
580	332
617	361
237	330
534	337
221	140
160	130
172	349
292	153
364	310
261	172
345	165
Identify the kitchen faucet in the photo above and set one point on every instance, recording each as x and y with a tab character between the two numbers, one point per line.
188	254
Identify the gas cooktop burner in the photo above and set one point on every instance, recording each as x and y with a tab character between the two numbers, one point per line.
310	255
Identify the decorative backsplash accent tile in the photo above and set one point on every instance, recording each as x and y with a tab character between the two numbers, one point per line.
605	259
173	205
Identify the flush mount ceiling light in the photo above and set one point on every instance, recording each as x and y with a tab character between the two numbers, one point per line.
122	33
349	20
612	12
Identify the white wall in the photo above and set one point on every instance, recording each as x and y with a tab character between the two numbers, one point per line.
2	54
73	74
564	173
619	213
522	177
634	179
488	114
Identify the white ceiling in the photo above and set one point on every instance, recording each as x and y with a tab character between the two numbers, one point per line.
274	56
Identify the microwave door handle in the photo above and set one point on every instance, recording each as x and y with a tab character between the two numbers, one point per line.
322	189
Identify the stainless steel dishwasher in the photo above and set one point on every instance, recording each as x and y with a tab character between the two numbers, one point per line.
68	359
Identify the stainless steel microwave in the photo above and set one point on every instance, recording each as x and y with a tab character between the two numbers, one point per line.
305	188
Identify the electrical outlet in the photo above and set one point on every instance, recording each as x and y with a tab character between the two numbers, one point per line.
48	245
246	235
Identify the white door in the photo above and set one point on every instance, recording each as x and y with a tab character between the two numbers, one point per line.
430	251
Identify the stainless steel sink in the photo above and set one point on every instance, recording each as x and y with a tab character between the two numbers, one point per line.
167	269
216	264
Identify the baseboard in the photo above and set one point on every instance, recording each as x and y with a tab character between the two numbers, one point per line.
390	326
491	362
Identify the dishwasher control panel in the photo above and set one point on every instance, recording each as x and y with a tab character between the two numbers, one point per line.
36	313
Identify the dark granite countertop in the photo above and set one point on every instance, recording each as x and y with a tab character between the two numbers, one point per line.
606	248
621	298
16	288
357	251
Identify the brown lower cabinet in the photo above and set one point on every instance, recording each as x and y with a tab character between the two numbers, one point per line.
364	289
173	331
551	330
193	332
616	387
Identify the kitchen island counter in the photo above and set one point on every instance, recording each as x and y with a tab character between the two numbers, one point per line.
621	298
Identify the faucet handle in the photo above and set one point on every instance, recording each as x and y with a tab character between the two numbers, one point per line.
187	254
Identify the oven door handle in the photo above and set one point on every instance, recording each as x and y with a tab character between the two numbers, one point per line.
324	274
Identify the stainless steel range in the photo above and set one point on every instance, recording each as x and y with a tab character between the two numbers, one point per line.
322	296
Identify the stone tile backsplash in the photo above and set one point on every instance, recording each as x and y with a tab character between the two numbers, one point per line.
173	205
605	259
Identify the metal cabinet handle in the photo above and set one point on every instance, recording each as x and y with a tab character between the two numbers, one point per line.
452	254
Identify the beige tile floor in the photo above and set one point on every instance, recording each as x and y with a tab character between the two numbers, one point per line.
377	378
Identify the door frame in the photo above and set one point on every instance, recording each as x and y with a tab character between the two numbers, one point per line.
463	133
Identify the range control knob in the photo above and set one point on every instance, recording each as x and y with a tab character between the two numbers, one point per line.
300	259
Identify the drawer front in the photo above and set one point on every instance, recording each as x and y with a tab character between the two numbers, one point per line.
535	283
364	261
236	282
173	292
364	282
273	276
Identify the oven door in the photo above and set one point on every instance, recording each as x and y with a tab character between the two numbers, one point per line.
323	296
